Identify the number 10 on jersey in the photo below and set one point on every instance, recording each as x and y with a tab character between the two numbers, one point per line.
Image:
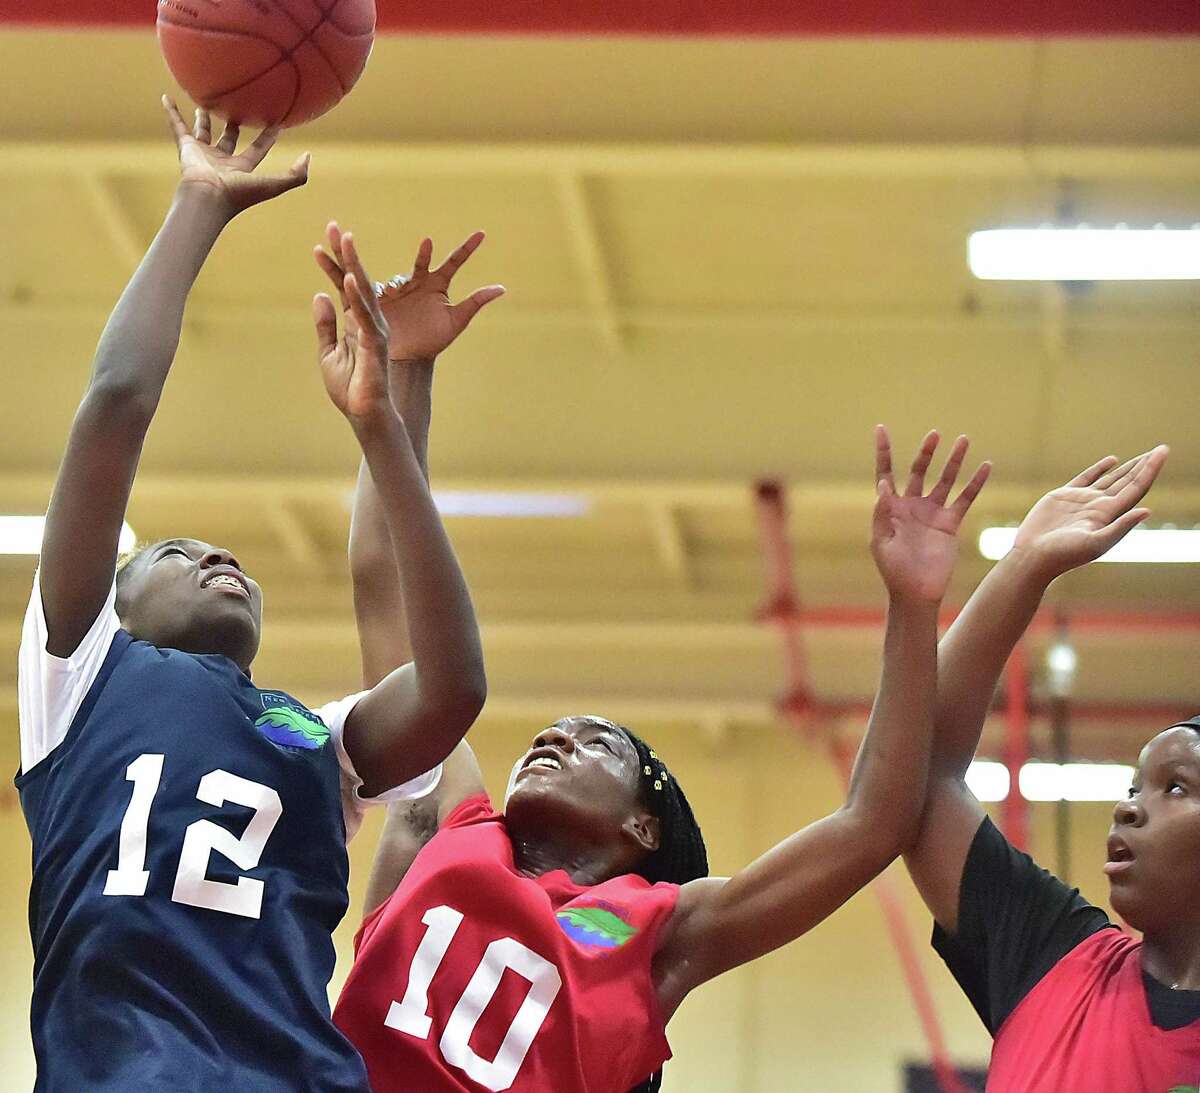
411	1014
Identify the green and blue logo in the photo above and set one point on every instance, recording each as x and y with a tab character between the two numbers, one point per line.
595	927
284	721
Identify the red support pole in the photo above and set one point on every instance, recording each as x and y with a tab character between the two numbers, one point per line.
1014	815
782	608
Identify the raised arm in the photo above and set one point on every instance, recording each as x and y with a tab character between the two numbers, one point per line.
1069	527
723	922
422	323
135	353
415	716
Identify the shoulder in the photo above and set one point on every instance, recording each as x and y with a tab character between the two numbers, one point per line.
467	812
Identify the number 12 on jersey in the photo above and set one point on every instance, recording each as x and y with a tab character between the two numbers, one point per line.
200	839
411	1014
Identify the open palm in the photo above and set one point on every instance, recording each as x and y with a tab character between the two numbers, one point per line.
421	319
914	536
353	367
1080	521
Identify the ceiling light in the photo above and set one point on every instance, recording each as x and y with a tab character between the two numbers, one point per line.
989	781
1140	545
23	535
508	504
1085	254
1061	663
1075	781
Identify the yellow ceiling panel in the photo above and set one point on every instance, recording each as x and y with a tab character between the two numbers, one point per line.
732	241
1120	90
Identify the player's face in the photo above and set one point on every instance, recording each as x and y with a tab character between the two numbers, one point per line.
1154	844
582	765
189	595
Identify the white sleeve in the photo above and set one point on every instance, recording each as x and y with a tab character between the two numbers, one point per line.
354	804
51	689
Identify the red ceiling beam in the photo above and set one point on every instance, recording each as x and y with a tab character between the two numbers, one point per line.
706	17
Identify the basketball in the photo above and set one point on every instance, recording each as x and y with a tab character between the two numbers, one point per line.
267	62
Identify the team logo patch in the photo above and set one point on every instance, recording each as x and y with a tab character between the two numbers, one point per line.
595	927
284	721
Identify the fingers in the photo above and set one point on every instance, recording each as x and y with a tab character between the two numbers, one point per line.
1141	478
1117	474
280	184
229	139
454	263
325	320
178	129
424	255
954	463
352	264
259	147
331	270
467	309
883	458
333	236
202	130
916	477
1109	537
1093	473
970	491
363	311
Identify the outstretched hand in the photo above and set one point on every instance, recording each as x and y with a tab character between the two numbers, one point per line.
355	367
421	318
914	537
1077	523
220	169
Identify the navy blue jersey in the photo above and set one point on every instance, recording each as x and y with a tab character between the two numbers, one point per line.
189	867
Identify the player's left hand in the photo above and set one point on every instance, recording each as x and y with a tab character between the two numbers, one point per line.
422	320
355	367
914	537
1082	520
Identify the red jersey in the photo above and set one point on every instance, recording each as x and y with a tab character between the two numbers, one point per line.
473	976
1086	1028
1061	990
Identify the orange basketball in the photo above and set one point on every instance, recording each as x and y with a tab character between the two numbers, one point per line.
266	62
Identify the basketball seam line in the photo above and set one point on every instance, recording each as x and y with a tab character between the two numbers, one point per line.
309	38
283	56
258	75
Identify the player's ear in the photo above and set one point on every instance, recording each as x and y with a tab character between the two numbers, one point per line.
643	828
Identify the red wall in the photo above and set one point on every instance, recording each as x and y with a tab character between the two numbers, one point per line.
706	17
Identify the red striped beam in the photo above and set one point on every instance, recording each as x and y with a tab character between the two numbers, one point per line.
704	17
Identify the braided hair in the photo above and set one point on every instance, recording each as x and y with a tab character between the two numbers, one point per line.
681	855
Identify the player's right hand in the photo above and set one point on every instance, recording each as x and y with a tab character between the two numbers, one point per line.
354	368
1082	520
220	171
422	320
914	535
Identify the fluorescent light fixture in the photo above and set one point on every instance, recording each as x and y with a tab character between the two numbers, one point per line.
1165	545
1085	254
989	781
506	504
1075	781
23	535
